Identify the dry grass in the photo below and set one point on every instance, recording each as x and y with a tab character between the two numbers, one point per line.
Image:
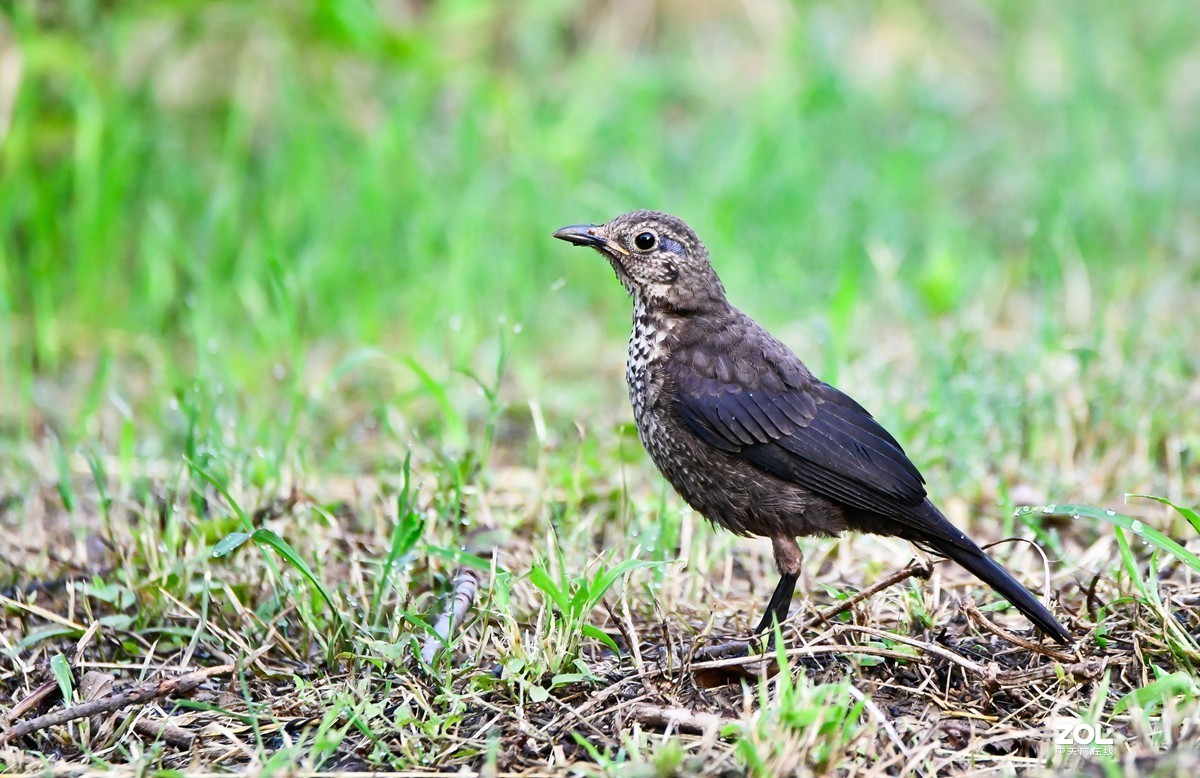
913	679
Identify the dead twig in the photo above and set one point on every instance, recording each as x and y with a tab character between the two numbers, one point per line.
911	570
1088	670
39	699
813	650
136	696
974	615
681	719
156	729
466	586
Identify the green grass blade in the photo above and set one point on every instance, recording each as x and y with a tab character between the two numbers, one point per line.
1134	525
408	530
605	581
461	558
1192	516
61	670
268	538
1157	692
66	490
542	580
230	543
596	633
220	487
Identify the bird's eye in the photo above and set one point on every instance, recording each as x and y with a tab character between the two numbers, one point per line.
645	241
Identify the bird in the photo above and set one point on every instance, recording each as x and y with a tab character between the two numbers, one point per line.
748	435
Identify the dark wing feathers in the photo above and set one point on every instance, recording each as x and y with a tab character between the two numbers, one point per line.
812	435
785	422
752	418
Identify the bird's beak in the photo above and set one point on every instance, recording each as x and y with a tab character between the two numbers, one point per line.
585	235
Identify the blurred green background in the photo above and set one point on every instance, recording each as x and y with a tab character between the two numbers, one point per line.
263	223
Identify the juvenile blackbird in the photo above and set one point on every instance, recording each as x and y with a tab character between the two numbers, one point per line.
747	435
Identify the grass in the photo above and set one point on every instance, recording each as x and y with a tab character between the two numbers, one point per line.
284	274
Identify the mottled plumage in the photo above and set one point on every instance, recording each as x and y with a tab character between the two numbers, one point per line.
746	434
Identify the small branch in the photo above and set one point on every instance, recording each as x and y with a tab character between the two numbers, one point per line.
39	699
466	586
681	719
136	696
974	615
1088	670
974	668
837	649
156	729
911	570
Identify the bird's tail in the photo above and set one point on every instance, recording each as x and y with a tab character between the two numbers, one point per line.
986	569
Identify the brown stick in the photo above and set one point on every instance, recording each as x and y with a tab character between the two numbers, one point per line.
466	586
156	729
974	615
911	570
135	696
814	650
974	668
682	719
39	698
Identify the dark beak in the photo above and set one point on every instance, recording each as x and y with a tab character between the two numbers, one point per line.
585	235
580	235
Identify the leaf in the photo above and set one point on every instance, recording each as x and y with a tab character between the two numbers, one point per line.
461	558
61	670
230	543
1136	526
98	475
565	679
1167	687
268	538
121	621
606	580
596	633
1192	516
61	462
409	528
541	579
1130	562
207	476
581	601
535	692
31	639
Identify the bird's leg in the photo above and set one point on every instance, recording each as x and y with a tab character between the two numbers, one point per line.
788	559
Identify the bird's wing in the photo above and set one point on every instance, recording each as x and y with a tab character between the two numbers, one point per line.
784	421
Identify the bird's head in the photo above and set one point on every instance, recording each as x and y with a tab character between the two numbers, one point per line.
657	257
